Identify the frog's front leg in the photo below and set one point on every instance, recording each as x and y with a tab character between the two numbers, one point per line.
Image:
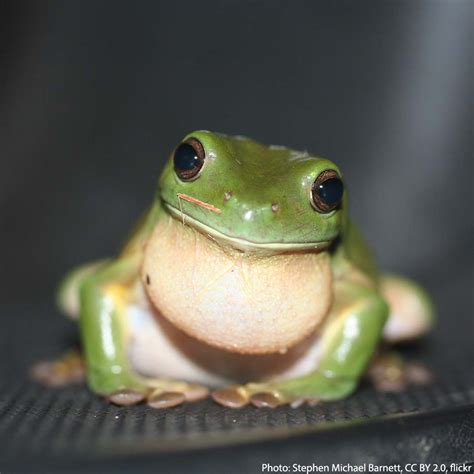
105	334
349	338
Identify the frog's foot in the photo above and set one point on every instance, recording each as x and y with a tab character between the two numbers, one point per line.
159	394
309	389
67	369
171	393
388	372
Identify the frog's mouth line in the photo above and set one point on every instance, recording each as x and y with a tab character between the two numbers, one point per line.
240	243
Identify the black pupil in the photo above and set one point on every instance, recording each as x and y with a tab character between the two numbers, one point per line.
186	158
330	191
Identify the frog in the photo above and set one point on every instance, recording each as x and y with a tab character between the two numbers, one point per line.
246	280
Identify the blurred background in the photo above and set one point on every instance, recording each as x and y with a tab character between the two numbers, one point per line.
95	95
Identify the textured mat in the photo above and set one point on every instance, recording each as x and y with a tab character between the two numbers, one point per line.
37	420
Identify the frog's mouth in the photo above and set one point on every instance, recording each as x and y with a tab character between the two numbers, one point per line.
240	243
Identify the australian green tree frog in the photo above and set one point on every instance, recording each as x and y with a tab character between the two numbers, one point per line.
246	276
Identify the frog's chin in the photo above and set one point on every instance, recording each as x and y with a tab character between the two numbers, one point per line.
241	243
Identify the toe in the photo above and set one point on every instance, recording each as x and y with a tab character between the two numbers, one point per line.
418	374
41	372
195	392
232	397
265	399
126	397
297	402
165	399
387	373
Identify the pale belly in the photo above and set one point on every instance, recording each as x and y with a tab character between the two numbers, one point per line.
158	349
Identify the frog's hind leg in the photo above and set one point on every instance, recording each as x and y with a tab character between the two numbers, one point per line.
68	368
410	316
67	297
411	310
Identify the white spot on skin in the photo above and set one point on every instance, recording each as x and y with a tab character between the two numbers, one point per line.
248	215
307	182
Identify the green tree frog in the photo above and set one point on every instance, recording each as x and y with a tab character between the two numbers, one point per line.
245	276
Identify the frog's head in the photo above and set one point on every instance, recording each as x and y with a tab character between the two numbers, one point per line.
251	196
273	211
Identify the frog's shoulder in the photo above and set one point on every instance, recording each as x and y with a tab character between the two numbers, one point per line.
141	229
352	247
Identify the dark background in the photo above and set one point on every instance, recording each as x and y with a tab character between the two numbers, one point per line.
95	95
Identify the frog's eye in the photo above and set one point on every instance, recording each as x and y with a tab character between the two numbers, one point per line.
188	159
327	191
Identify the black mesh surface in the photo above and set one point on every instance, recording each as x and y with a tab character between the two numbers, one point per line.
73	421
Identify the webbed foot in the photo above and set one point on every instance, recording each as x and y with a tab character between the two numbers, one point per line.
308	389
388	372
159	394
67	369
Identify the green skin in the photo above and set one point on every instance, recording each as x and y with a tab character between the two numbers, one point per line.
256	174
